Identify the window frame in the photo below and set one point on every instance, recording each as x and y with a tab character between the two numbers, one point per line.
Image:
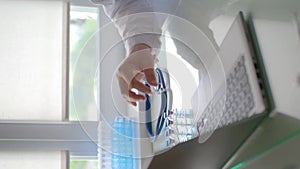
76	139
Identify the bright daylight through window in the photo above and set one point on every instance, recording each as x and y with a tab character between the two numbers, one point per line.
83	54
83	81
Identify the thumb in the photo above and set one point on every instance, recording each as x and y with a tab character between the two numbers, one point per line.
150	76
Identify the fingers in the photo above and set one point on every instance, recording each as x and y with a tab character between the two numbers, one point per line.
133	97
130	96
140	86
133	103
126	89
138	65
150	76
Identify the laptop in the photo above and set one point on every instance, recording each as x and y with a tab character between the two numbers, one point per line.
238	95
229	92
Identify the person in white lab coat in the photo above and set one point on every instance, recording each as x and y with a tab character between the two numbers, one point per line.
141	24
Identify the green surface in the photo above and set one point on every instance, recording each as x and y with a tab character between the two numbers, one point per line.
267	150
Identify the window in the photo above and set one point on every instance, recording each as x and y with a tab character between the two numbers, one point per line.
30	160
31	60
83	164
83	63
83	86
39	125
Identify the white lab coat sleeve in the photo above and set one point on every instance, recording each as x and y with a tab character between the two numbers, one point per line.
136	22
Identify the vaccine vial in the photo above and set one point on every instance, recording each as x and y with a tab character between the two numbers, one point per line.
183	125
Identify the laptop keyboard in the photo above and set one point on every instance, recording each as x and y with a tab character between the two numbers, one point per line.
239	101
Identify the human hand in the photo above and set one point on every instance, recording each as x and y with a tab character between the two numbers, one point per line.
137	66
